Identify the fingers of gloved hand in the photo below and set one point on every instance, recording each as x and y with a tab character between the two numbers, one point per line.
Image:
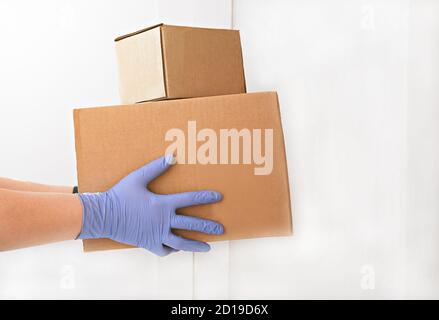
187	199
162	250
196	224
155	168
180	243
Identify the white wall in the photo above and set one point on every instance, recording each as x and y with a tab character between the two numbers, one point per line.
357	84
422	230
358	87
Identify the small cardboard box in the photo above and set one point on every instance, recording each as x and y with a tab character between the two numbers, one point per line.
172	62
232	143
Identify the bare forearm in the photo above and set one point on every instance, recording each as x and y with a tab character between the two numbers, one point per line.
32	187
34	218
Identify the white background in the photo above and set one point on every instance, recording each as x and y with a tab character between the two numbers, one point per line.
358	84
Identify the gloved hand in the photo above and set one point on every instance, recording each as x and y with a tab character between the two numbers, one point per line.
129	213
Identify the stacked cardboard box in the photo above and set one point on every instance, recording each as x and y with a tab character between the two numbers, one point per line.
223	138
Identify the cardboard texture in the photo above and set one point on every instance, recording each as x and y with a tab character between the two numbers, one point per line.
170	62
113	141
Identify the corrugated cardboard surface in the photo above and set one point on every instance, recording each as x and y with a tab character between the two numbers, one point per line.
194	62
141	67
202	62
113	141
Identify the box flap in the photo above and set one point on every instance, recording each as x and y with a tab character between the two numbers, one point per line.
137	32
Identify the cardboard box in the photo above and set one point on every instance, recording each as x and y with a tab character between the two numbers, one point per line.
170	62
113	141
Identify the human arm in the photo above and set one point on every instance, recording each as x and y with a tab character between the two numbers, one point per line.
34	218
17	185
128	213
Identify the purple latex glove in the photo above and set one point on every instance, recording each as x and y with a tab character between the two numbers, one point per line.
129	213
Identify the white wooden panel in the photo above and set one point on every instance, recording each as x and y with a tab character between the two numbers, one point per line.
63	271
211	272
197	13
422	241
340	68
175	276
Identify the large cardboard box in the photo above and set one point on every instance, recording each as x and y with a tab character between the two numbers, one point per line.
233	144
170	62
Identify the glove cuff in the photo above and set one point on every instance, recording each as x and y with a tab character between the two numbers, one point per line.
95	208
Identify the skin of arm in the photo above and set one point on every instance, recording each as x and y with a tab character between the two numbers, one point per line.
11	184
34	218
128	213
